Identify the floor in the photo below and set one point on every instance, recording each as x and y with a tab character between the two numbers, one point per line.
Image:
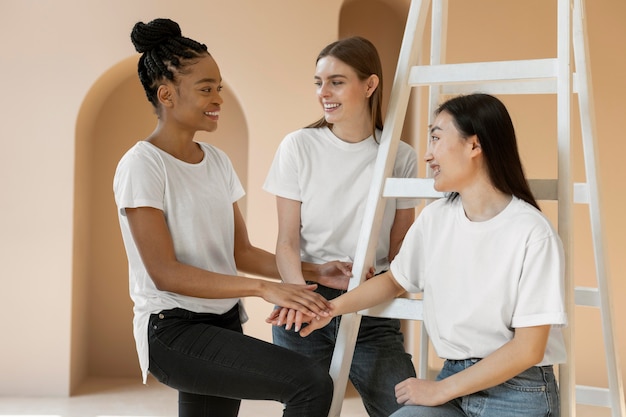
129	398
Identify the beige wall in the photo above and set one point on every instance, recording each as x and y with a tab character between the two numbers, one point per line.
68	67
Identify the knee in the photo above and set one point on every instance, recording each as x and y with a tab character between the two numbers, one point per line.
322	383
316	386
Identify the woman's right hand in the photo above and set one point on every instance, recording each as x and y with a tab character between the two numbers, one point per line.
315	324
298	297
287	317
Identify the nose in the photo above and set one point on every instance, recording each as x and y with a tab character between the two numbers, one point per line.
428	155
322	90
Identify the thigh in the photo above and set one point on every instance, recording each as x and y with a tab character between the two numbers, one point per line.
318	346
446	410
533	393
380	362
199	358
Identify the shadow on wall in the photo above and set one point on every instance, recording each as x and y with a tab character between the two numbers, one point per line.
114	116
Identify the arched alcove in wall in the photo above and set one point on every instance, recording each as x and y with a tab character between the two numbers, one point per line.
114	116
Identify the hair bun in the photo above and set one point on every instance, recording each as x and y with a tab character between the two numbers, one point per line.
147	36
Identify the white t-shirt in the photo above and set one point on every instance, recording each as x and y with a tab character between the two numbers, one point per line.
481	280
332	179
197	200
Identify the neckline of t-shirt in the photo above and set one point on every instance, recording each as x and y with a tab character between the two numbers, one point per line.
485	225
179	161
348	146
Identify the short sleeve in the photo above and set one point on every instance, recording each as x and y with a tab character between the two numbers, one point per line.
138	182
282	178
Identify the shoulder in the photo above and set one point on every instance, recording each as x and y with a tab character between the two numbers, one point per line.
528	218
406	153
303	139
141	154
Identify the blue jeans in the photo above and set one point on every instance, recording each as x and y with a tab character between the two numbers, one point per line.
533	393
213	365
379	363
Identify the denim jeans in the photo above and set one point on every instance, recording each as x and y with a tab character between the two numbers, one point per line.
379	363
533	393
213	365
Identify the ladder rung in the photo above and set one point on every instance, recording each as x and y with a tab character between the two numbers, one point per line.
530	69
543	189
581	193
411	187
502	88
586	296
594	396
399	308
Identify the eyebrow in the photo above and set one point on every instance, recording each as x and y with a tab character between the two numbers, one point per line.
208	80
433	128
317	77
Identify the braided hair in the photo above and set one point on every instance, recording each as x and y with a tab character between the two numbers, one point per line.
165	52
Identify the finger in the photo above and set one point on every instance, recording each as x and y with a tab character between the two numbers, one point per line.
298	321
282	316
274	313
315	303
345	268
290	319
308	302
308	329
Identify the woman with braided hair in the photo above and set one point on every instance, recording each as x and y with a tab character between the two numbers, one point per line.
186	239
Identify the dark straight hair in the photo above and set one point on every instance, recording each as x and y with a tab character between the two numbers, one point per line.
486	117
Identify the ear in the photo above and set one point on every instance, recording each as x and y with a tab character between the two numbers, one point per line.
164	95
372	85
476	148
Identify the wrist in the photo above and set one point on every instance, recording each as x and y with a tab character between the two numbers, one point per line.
311	271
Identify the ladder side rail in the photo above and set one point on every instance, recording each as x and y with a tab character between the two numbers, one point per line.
438	50
567	377
587	114
438	43
365	250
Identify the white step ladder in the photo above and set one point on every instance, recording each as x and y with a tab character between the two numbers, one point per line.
538	76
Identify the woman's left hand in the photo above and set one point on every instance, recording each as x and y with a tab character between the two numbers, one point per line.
415	391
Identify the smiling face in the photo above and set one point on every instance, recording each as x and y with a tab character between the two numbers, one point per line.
194	102
450	156
343	96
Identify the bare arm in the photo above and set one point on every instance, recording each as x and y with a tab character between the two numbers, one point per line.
372	292
526	349
401	224
155	246
288	242
249	258
334	274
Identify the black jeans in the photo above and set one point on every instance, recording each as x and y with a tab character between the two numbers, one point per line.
213	365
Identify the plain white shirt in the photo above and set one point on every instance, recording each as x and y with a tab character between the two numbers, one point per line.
481	280
332	179
197	201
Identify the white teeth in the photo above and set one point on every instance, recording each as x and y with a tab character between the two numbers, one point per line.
212	113
330	106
